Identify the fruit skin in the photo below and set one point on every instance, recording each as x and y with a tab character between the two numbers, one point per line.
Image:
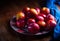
27	18
51	23
45	10
38	10
39	18
33	28
20	23
26	9
33	12
31	20
41	23
43	15
20	15
50	17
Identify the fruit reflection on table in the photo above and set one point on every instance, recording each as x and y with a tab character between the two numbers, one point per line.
35	20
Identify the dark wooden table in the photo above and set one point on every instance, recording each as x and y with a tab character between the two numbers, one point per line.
7	11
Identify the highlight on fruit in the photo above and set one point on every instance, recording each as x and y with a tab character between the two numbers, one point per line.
35	19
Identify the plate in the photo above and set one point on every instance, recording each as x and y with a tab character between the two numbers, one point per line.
24	31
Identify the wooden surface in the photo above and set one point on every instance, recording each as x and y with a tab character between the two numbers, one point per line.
7	11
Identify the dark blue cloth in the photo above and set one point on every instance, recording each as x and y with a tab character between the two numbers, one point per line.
56	13
46	3
50	3
57	2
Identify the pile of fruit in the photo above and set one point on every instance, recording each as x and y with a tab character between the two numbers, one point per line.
35	20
